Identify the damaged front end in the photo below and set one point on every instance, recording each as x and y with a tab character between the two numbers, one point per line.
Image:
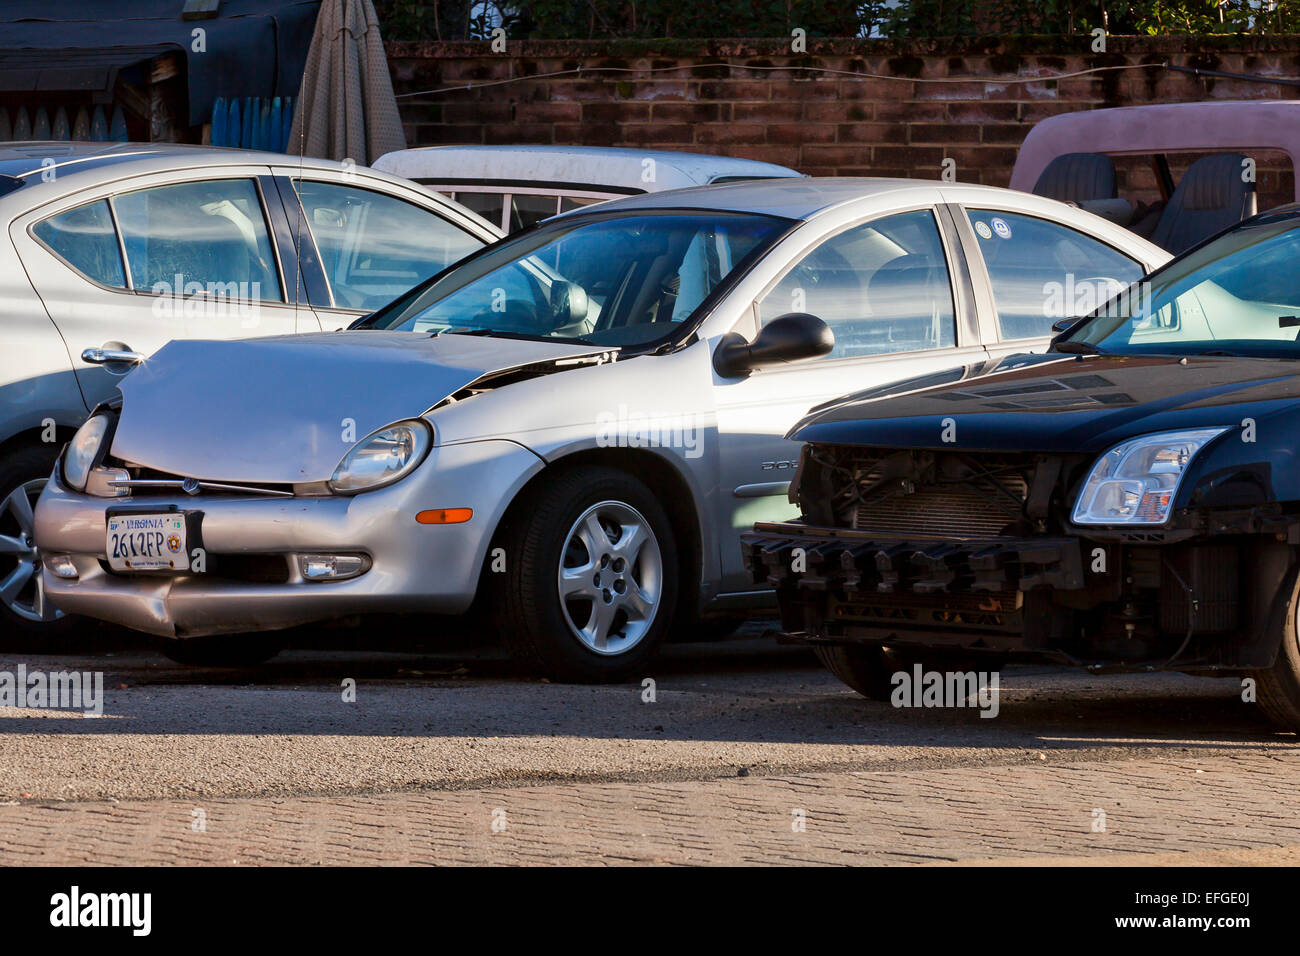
975	551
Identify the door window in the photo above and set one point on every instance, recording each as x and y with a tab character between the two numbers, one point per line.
882	287
205	238
1042	272
374	247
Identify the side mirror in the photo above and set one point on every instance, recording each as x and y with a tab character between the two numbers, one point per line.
1060	325
788	338
568	303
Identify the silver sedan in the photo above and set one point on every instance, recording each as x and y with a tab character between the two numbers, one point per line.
564	434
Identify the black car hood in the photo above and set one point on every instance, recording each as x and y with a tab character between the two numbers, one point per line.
1057	403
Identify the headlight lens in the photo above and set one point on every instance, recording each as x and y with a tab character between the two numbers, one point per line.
1137	480
83	448
382	457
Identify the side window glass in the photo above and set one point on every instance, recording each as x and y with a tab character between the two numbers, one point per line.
374	247
527	209
86	240
487	205
209	237
882	287
1042	271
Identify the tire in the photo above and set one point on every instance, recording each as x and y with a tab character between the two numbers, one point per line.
24	612
1278	687
573	534
869	668
866	668
220	650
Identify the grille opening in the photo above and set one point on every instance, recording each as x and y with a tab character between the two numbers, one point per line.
929	494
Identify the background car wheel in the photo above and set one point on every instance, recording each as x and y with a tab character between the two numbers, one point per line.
24	611
869	668
1278	687
864	667
591	578
219	650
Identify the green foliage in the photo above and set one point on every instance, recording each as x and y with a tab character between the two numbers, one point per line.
684	19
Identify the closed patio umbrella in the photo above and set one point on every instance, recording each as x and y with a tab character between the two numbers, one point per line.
346	108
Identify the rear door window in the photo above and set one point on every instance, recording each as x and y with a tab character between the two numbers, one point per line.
206	237
1042	271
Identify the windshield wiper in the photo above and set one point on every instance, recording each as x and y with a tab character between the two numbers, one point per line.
1078	348
525	336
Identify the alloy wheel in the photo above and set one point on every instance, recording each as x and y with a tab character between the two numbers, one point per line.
21	589
610	578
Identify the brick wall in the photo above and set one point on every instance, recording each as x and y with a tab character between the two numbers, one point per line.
753	99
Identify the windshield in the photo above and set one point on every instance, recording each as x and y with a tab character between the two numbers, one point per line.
629	279
1237	295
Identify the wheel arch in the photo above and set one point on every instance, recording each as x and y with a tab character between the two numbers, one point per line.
664	479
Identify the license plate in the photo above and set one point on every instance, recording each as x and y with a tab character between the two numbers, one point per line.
145	542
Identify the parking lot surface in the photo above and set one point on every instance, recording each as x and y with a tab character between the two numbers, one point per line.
738	752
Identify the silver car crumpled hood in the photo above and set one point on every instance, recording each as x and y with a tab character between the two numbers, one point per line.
276	409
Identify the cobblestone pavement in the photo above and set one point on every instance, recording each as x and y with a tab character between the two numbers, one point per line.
748	755
970	815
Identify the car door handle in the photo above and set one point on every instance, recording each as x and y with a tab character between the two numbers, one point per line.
105	356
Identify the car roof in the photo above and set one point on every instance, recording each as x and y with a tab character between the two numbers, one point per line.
1217	126
77	165
580	166
789	198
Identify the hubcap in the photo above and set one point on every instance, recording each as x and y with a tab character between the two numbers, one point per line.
611	578
21	589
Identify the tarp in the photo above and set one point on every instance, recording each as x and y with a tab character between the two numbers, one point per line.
346	108
253	48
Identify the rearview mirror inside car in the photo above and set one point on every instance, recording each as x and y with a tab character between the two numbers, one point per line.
788	338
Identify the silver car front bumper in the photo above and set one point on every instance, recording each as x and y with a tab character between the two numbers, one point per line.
412	567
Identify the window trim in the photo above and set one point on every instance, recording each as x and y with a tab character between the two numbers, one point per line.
754	315
993	329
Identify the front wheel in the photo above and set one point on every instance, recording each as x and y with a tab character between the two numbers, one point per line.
591	578
24	610
1278	686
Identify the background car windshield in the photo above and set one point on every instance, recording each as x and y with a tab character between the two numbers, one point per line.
1238	295
616	280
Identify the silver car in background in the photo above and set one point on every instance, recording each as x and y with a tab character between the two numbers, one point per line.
115	249
518	186
565	433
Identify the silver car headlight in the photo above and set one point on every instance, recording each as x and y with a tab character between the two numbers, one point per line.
82	450
382	457
1136	481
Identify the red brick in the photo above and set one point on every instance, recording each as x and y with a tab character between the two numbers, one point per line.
711	133
896	133
796	134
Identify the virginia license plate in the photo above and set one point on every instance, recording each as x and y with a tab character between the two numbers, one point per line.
145	542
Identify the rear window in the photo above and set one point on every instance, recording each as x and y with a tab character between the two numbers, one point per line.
84	238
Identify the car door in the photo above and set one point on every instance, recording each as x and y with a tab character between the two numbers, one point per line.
1031	271
366	243
894	290
157	258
